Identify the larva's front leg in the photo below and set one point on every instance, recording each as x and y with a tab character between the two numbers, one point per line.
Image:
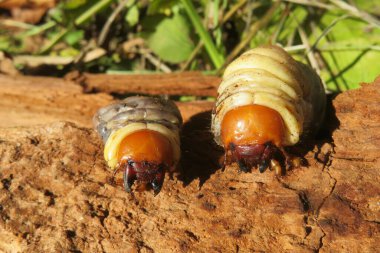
266	101
141	136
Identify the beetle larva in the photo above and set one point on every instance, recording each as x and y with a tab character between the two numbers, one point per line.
266	101
141	136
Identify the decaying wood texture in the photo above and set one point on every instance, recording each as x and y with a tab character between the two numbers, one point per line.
187	83
56	194
37	100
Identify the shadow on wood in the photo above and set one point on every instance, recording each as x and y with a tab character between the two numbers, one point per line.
200	154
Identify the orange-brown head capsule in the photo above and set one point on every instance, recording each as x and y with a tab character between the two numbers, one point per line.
146	145
252	124
252	134
146	155
141	136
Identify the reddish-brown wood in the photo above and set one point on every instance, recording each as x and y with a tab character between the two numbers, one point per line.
39	100
56	195
186	83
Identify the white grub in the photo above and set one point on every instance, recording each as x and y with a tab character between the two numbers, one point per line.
270	77
114	122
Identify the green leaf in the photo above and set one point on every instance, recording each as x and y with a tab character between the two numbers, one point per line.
5	44
132	16
56	14
74	37
168	37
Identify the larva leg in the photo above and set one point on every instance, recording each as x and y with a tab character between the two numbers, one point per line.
266	157
129	177
275	165
113	178
158	180
261	156
237	158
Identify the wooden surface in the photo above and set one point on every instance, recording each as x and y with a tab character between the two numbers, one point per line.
38	100
187	83
56	195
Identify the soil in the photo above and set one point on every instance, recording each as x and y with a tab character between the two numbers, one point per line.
56	192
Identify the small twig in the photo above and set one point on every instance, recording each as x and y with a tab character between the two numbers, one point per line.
112	17
290	38
332	47
310	54
252	32
192	56
14	23
356	12
38	29
284	15
233	10
313	3
349	47
156	62
35	61
90	12
249	16
137	46
54	40
327	30
295	48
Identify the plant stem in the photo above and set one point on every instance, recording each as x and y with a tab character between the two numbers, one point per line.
54	41
327	30
92	11
216	57
252	32
233	10
112	17
80	20
38	29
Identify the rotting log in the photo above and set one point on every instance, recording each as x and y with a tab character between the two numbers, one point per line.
56	195
39	100
185	83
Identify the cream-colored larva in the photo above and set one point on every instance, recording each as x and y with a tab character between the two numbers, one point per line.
141	137
266	101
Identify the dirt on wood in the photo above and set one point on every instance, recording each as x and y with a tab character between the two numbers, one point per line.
56	192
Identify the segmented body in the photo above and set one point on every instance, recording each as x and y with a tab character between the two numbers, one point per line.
116	122
270	77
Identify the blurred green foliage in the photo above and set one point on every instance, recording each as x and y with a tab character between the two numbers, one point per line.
340	39
168	37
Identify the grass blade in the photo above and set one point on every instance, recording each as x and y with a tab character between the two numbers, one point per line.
216	57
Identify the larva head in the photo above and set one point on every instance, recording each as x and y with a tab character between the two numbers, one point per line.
145	156
252	134
251	125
